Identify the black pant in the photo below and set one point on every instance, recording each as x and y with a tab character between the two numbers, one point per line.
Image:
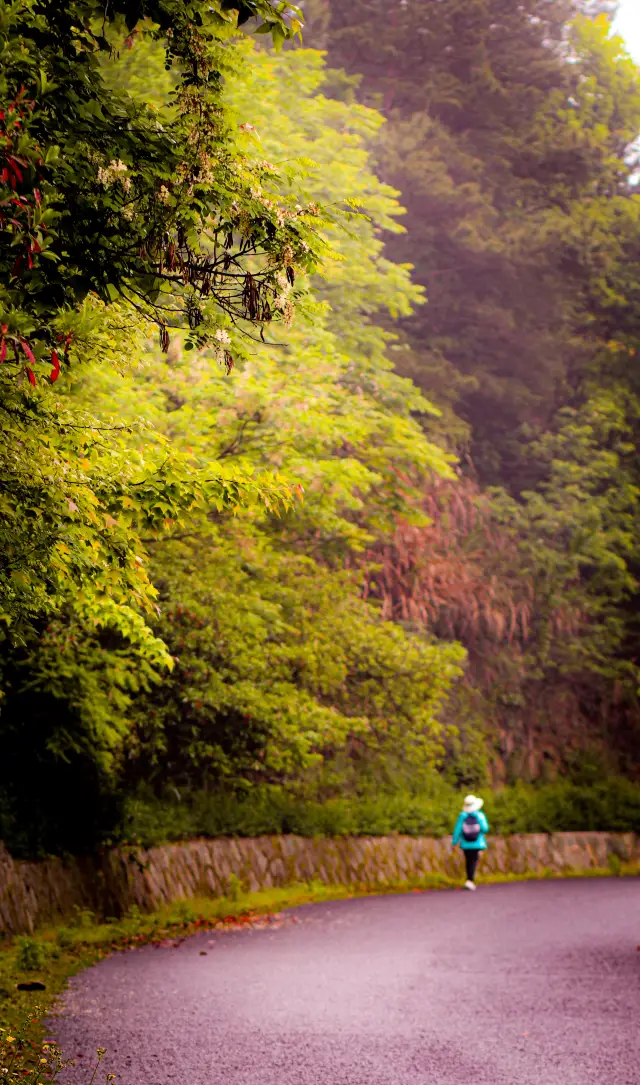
471	856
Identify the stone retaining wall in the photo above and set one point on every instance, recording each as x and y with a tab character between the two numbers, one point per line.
36	894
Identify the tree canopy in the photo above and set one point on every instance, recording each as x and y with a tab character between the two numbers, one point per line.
269	676
319	402
117	214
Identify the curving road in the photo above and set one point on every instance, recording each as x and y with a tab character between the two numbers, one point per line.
534	983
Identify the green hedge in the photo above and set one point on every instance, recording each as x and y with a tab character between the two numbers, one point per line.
612	805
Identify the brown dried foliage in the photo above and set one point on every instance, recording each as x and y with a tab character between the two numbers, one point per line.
461	576
458	576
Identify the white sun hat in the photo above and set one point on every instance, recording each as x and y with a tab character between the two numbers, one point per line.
471	804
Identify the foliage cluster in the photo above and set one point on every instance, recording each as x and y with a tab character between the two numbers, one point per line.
106	194
114	216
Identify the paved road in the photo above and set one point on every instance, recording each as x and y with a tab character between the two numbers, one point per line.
528	984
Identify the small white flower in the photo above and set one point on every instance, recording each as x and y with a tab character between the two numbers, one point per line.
222	336
108	175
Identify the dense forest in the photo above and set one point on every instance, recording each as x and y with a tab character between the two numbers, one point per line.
511	136
320	408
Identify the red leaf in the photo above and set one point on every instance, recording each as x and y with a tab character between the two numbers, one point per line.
55	361
3	350
13	165
31	375
28	351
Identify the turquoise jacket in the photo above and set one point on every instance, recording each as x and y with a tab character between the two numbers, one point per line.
458	838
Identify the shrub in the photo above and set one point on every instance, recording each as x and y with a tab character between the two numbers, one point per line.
83	917
611	805
30	955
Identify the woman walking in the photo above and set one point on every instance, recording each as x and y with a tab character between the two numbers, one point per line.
469	832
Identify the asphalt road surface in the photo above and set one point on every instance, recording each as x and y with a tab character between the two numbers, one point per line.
536	983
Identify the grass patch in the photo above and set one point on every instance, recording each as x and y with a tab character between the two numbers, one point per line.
623	870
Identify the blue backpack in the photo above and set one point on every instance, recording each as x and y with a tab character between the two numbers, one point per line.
471	828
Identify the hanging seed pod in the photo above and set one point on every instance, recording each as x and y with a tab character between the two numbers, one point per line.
251	296
194	315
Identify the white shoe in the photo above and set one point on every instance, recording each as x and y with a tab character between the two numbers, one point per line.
471	886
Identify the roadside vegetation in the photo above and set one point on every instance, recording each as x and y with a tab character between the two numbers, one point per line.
605	805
